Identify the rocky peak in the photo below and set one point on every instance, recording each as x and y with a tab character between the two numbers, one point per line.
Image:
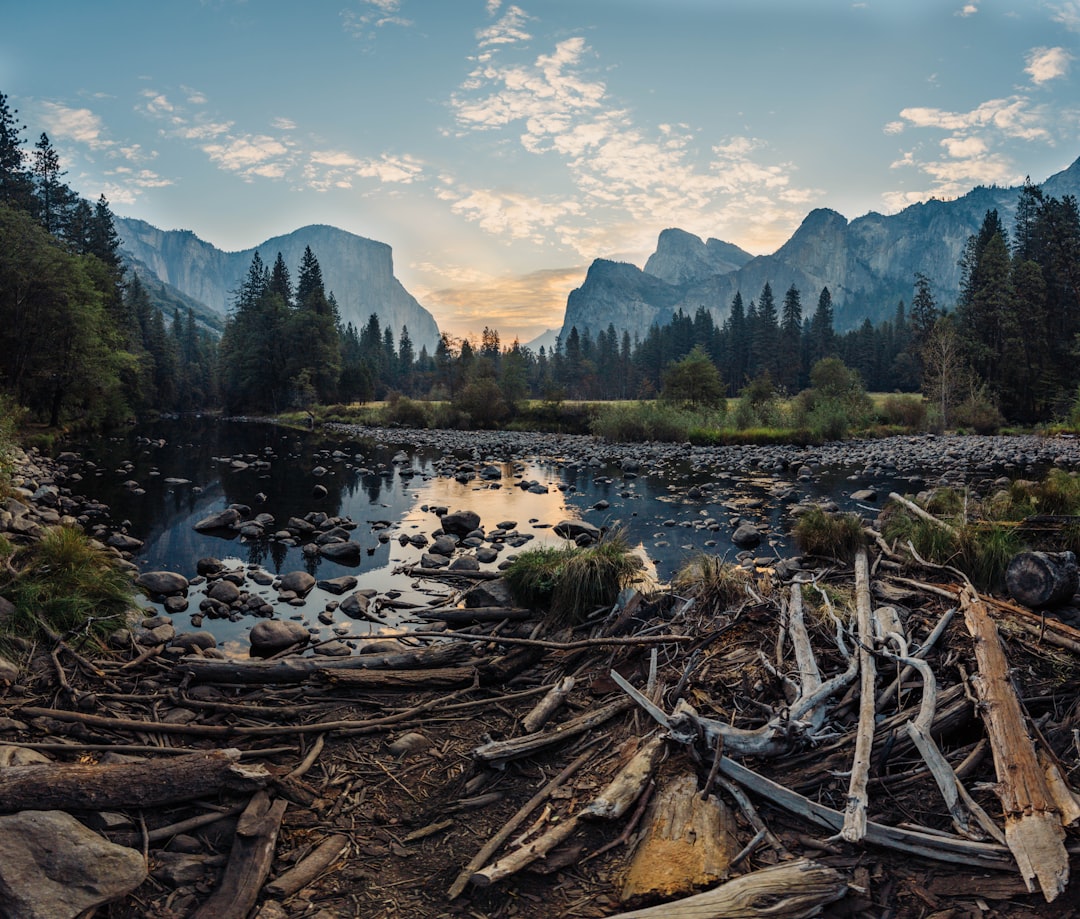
682	258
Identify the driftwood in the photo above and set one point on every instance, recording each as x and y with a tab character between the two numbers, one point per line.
400	680
1041	580
622	791
855	814
921	514
249	861
688	842
308	869
499	752
76	786
299	669
455	616
794	890
1033	827
547	706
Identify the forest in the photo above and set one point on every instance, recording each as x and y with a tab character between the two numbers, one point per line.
85	344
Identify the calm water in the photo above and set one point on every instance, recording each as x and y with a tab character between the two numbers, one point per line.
364	483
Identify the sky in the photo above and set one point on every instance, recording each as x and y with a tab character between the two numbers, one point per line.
500	147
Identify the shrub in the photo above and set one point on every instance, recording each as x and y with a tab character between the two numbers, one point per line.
68	585
407	412
482	401
908	411
829	535
573	582
716	585
978	414
10	416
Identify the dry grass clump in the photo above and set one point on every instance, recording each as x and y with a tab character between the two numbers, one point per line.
829	535
716	585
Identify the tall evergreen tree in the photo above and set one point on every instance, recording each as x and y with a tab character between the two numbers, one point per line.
790	371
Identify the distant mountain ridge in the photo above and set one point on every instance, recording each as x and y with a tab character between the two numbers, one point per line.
868	264
358	271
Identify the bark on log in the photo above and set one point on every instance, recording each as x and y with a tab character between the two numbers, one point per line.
794	890
1033	827
855	815
1040	580
688	843
298	669
76	786
547	706
306	870
249	861
400	680
477	614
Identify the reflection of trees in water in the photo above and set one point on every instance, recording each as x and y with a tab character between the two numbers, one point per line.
278	552
311	563
256	551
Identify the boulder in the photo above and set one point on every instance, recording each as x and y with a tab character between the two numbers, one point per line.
53	867
297	582
489	593
572	529
222	520
338	585
344	553
460	523
224	592
273	635
356	605
746	536
162	583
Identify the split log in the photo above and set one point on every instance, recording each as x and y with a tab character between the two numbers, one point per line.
400	680
1040	580
77	786
307	869
688	843
809	674
249	860
1033	827
547	706
855	815
794	890
299	669
923	515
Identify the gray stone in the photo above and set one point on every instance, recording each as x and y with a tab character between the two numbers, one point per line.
297	582
460	523
344	553
431	560
355	606
189	641
746	536
338	585
864	494
273	635
489	593
572	529
465	563
444	545
222	520
53	867
333	649
224	592
124	543
162	583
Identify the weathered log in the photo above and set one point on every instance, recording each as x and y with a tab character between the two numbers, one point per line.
307	869
298	669
1041	580
547	706
1033	827
794	890
688	843
455	616
855	815
400	680
77	786
923	515
249	860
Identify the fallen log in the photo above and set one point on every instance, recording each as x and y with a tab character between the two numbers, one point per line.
299	669
1033	827
78	786
1040	580
249	860
548	705
307	869
688	843
400	680
855	815
794	890
457	616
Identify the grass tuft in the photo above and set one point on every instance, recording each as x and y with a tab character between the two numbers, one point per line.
718	586
829	535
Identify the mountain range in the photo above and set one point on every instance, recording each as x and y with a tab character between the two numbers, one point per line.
868	264
181	269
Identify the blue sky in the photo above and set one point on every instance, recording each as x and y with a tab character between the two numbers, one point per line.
501	147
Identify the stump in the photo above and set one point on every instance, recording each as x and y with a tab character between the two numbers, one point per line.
1040	580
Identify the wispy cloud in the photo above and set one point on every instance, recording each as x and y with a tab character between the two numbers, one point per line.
1067	13
1045	64
369	15
77	124
968	9
628	179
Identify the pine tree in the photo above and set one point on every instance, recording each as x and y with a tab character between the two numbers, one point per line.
15	183
790	370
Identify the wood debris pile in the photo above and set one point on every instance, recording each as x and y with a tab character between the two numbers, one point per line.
877	740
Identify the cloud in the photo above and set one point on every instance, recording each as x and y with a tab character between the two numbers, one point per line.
372	14
968	9
74	124
511	214
250	155
1047	64
509	29
1013	118
1068	14
628	179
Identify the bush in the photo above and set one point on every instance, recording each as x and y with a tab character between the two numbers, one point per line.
829	535
978	414
482	401
10	415
406	412
572	582
68	585
908	411
717	586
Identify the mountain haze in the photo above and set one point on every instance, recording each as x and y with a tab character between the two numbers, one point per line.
868	264
358	271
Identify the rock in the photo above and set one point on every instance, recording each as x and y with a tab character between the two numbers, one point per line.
205	566
572	529
176	604
444	545
190	641
224	592
344	553
864	494
489	593
333	649
465	563
337	585
273	635
53	867
319	491
297	582
20	756
222	520
746	536
124	543
413	742
460	523
9	672
356	606
162	583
